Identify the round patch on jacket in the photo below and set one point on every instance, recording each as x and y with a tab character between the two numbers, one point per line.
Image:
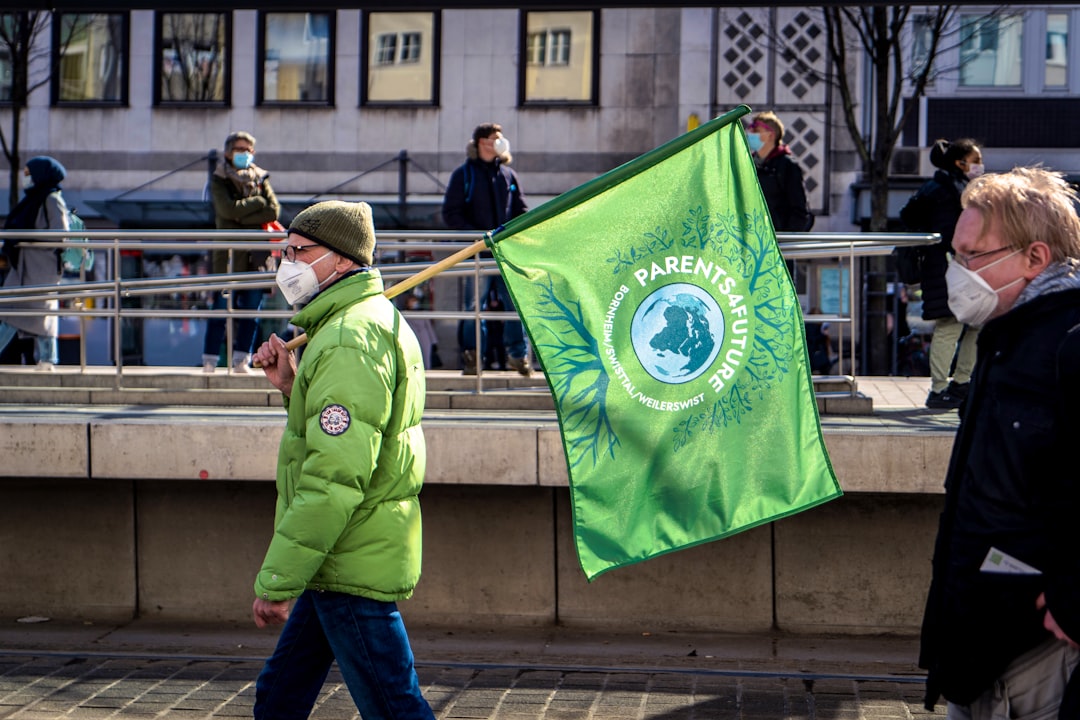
334	420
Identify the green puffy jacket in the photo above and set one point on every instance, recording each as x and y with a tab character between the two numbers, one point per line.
352	458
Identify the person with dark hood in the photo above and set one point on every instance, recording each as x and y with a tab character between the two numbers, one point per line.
935	207
41	208
780	176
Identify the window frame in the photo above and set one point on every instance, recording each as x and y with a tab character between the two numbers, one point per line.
227	52
399	47
1023	19
260	61
55	58
524	53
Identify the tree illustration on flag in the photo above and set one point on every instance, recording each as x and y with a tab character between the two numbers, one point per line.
666	323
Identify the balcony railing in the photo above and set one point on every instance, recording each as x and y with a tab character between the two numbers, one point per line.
120	294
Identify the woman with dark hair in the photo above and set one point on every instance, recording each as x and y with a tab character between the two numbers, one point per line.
42	208
935	207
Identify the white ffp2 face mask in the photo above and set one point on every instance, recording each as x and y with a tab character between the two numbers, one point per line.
297	280
971	299
501	146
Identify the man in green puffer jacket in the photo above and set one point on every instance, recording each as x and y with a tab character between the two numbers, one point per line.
347	538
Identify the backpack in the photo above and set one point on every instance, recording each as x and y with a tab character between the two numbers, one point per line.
73	259
916	216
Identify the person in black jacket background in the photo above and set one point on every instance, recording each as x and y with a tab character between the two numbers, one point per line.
999	637
483	194
935	207
780	177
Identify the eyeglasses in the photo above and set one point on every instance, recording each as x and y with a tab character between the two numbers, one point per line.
965	260
291	250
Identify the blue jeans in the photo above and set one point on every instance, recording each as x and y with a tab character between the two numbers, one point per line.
513	331
244	329
368	640
47	348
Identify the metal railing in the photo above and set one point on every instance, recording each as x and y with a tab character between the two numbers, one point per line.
111	297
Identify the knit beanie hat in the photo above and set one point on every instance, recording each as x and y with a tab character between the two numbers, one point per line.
344	227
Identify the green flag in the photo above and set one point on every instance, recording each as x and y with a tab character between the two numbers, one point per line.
662	313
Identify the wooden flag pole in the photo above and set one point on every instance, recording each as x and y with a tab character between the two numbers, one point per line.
411	282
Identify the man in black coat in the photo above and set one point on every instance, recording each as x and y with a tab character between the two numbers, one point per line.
1002	620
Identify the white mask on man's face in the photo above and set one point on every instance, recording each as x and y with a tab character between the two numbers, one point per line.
501	145
971	299
297	280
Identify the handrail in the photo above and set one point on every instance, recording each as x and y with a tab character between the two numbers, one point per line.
113	290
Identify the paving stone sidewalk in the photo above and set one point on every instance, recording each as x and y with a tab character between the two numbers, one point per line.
55	686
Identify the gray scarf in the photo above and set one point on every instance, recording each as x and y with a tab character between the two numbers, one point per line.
1055	278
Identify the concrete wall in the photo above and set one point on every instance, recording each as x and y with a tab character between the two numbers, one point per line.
168	513
493	556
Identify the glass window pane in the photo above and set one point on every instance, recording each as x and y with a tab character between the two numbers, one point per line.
560	47
1057	50
92	66
401	57
386	49
537	52
922	36
7	76
410	47
991	51
193	53
296	60
559	56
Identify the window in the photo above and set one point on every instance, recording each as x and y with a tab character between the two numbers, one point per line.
991	53
90	58
297	51
549	47
410	47
922	30
193	58
386	51
1057	50
399	63
9	27
560	57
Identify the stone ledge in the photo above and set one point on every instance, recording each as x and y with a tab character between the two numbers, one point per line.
493	451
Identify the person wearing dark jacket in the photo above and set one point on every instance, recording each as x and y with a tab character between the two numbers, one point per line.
243	200
483	194
1002	621
935	207
780	177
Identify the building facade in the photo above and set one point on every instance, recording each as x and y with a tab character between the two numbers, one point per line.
379	105
124	98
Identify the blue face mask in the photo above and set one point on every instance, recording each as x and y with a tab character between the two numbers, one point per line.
755	141
242	160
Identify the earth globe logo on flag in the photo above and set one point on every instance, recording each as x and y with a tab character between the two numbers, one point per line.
677	332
